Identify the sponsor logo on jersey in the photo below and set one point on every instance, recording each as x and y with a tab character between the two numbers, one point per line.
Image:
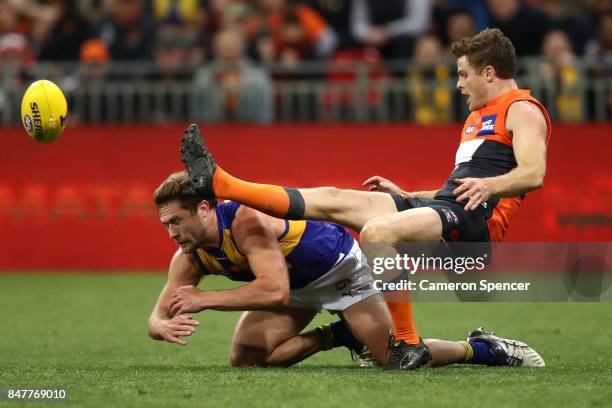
470	129
488	125
450	215
447	215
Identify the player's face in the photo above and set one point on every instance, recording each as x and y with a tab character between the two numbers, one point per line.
186	228
471	83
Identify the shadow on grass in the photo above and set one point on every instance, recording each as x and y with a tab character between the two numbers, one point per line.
317	369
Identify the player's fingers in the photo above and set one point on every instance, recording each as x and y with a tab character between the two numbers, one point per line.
188	319
473	202
372	180
183	333
177	340
176	307
476	203
174	300
186	327
467	194
178	291
373	188
460	189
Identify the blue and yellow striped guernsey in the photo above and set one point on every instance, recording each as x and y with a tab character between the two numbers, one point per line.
310	248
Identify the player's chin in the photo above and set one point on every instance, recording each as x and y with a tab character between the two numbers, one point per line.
187	248
472	105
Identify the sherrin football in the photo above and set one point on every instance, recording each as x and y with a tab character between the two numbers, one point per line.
43	111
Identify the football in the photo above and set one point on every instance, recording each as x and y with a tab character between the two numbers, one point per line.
43	111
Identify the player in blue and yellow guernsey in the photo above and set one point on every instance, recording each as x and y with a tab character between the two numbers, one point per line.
500	158
292	270
311	249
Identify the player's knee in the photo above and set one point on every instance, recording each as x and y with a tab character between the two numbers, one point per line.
377	231
244	356
273	362
245	361
331	192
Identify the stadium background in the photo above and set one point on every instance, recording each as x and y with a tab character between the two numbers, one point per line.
299	93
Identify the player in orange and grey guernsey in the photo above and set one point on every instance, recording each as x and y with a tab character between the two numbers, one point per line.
501	157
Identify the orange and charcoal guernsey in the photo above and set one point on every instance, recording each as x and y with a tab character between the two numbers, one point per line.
485	150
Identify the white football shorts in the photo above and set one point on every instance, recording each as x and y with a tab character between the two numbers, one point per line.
348	282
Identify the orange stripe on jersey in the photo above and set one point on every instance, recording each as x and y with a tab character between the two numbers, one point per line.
505	210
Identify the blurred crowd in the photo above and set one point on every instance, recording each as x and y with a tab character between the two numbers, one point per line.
288	31
240	36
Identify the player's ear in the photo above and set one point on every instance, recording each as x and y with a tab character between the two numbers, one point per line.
489	73
204	207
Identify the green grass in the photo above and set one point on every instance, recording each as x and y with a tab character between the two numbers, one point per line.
87	334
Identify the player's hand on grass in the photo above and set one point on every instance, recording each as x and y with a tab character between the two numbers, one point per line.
185	299
475	190
383	185
172	330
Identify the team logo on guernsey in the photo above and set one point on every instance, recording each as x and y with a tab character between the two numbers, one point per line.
488	125
342	284
470	129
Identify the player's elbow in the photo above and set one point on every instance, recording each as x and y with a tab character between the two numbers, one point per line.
532	178
152	332
275	293
537	179
279	297
538	183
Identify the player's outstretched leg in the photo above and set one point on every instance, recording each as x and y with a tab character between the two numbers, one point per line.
209	179
503	352
347	207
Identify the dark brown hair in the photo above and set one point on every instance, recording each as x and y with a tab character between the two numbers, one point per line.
489	47
177	188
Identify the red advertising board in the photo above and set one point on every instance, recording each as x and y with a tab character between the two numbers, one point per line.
84	202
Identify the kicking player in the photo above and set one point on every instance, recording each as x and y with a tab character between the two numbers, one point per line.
501	157
294	269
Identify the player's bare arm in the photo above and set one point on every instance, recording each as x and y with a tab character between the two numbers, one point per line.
528	126
162	325
255	236
383	185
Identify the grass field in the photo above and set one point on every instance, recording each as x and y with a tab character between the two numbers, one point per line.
87	334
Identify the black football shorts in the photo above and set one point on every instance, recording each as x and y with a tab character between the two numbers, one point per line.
458	225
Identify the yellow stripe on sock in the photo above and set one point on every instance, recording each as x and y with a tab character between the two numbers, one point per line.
469	351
